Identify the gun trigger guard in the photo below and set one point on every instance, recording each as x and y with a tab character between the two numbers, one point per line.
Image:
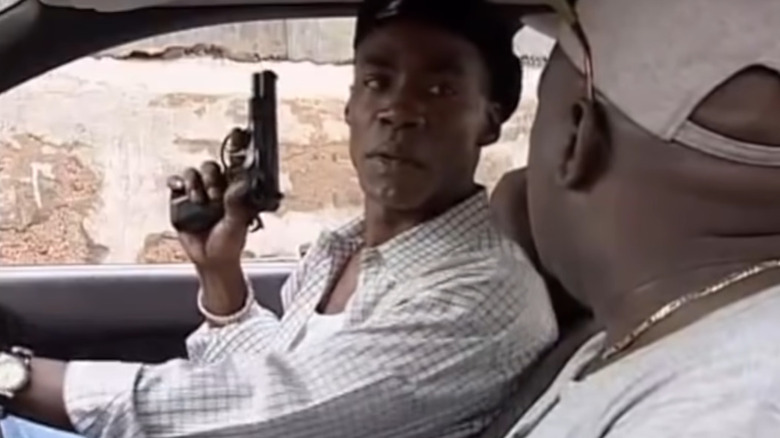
255	224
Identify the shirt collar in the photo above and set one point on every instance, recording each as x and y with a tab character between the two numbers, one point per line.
429	241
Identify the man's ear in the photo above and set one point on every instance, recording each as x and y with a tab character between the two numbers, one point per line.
492	129
587	152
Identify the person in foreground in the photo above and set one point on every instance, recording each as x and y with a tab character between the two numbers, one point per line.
658	206
409	322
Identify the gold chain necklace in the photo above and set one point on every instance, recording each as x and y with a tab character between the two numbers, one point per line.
673	306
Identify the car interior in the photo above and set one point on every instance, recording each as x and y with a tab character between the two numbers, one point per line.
144	312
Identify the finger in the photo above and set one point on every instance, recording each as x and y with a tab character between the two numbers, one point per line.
193	185
214	180
177	187
236	209
176	184
238	147
239	139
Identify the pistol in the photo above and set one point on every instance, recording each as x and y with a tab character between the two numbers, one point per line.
258	162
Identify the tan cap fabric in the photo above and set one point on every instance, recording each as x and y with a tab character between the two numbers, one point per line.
656	60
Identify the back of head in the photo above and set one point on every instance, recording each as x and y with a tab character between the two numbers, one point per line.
678	160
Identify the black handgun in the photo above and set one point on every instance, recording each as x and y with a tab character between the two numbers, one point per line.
259	163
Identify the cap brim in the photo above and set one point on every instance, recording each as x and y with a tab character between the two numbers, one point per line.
544	16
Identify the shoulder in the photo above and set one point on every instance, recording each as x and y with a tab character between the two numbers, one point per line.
327	237
490	261
492	278
718	377
742	334
737	396
731	344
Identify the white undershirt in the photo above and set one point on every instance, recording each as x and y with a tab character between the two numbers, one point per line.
319	328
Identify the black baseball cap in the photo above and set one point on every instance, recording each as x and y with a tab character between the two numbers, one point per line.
478	21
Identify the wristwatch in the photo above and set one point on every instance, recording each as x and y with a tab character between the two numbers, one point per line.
15	370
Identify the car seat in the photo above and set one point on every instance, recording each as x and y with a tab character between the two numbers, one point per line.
509	209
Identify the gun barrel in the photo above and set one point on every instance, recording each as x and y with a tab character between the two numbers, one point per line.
270	135
265	141
257	85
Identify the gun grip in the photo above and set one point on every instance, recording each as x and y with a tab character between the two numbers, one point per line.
189	217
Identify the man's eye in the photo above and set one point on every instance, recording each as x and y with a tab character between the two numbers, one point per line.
441	90
374	83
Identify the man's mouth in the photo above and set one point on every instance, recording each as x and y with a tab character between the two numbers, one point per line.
394	159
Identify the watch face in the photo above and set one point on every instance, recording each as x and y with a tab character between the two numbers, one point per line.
13	373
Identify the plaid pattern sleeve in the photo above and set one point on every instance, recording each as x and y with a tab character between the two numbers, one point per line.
443	318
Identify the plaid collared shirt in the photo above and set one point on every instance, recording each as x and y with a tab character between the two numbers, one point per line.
443	317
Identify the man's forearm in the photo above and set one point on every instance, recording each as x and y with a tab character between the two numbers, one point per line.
43	400
224	289
251	332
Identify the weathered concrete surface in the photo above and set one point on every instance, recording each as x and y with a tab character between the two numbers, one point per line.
85	150
322	41
243	41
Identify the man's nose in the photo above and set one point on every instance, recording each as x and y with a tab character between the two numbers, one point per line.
404	110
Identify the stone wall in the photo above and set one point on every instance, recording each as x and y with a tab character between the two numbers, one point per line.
85	151
322	41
